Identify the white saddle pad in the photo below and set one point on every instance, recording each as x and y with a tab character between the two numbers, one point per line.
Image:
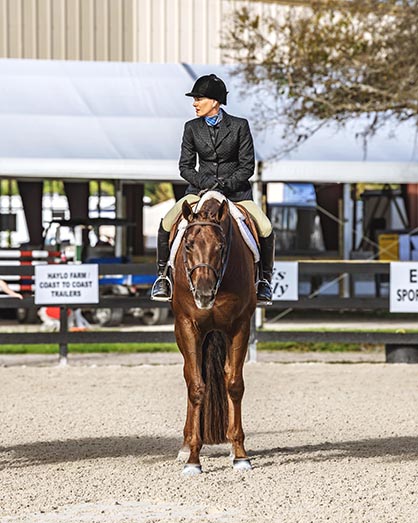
235	213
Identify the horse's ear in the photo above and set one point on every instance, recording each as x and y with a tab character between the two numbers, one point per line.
187	210
222	211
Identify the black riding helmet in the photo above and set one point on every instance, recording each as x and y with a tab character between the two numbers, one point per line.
209	86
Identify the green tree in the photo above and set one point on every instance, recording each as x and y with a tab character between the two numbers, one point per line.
107	188
331	61
158	192
8	187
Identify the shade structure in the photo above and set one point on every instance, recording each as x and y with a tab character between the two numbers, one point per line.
110	120
332	154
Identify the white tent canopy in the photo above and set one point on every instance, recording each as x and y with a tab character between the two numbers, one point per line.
331	155
82	119
108	120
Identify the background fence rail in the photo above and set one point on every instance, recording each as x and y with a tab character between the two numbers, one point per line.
64	337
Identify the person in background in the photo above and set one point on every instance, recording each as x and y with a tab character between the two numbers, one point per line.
224	147
7	290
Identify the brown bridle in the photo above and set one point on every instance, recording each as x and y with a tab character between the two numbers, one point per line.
226	241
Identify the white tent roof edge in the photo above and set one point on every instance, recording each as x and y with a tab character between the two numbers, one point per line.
167	170
68	168
340	172
113	120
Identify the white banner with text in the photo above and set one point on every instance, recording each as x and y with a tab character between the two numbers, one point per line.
285	281
403	287
66	284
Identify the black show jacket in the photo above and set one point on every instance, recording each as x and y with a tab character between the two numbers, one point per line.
225	154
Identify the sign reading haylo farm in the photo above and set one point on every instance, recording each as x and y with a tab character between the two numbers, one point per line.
66	284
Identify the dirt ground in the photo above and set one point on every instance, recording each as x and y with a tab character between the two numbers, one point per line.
91	443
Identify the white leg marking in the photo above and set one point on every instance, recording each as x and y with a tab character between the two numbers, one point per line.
183	454
242	464
192	470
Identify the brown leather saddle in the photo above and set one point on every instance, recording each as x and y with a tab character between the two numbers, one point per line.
247	219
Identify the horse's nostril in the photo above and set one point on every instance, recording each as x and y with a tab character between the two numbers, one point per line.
203	296
205	300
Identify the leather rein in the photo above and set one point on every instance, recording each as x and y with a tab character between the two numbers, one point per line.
226	248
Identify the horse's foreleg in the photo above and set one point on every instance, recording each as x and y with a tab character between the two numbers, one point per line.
196	392
184	452
190	345
235	390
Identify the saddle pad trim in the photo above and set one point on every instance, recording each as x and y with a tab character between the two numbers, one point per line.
238	216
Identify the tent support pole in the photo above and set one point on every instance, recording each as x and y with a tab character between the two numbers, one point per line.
120	213
347	237
258	199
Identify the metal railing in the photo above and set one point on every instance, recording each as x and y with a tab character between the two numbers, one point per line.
338	268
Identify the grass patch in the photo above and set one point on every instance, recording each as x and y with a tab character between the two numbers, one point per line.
386	330
172	347
314	347
89	347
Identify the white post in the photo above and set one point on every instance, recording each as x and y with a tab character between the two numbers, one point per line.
258	185
252	343
258	199
348	227
78	237
258	317
120	213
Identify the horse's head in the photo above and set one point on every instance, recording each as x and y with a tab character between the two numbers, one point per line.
205	249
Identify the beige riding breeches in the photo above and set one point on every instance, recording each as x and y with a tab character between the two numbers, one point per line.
261	221
171	217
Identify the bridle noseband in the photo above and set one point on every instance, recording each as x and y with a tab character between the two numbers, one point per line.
224	259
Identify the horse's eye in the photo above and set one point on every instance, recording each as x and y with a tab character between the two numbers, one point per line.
189	246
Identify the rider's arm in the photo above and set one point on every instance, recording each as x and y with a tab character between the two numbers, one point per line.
245	159
7	290
187	163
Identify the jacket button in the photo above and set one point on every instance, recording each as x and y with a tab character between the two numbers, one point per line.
215	164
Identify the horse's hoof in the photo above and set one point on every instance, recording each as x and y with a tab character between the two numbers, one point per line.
183	455
242	464
192	470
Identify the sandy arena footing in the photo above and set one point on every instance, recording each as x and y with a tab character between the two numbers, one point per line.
94	443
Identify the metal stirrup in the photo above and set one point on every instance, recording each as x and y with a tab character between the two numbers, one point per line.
170	289
265	301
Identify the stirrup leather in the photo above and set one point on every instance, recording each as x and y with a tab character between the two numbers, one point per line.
167	280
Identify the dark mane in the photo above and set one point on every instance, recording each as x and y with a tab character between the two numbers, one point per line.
209	209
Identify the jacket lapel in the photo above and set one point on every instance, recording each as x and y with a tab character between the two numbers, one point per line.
224	128
204	132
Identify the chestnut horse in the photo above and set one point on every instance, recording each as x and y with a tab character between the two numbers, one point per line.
214	298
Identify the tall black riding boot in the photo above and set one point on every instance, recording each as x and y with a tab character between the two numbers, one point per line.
162	288
264	291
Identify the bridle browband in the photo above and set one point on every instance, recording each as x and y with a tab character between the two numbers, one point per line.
224	260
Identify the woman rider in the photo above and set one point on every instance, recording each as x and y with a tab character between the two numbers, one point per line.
224	146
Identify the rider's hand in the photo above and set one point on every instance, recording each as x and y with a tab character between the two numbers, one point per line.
207	181
222	187
232	186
